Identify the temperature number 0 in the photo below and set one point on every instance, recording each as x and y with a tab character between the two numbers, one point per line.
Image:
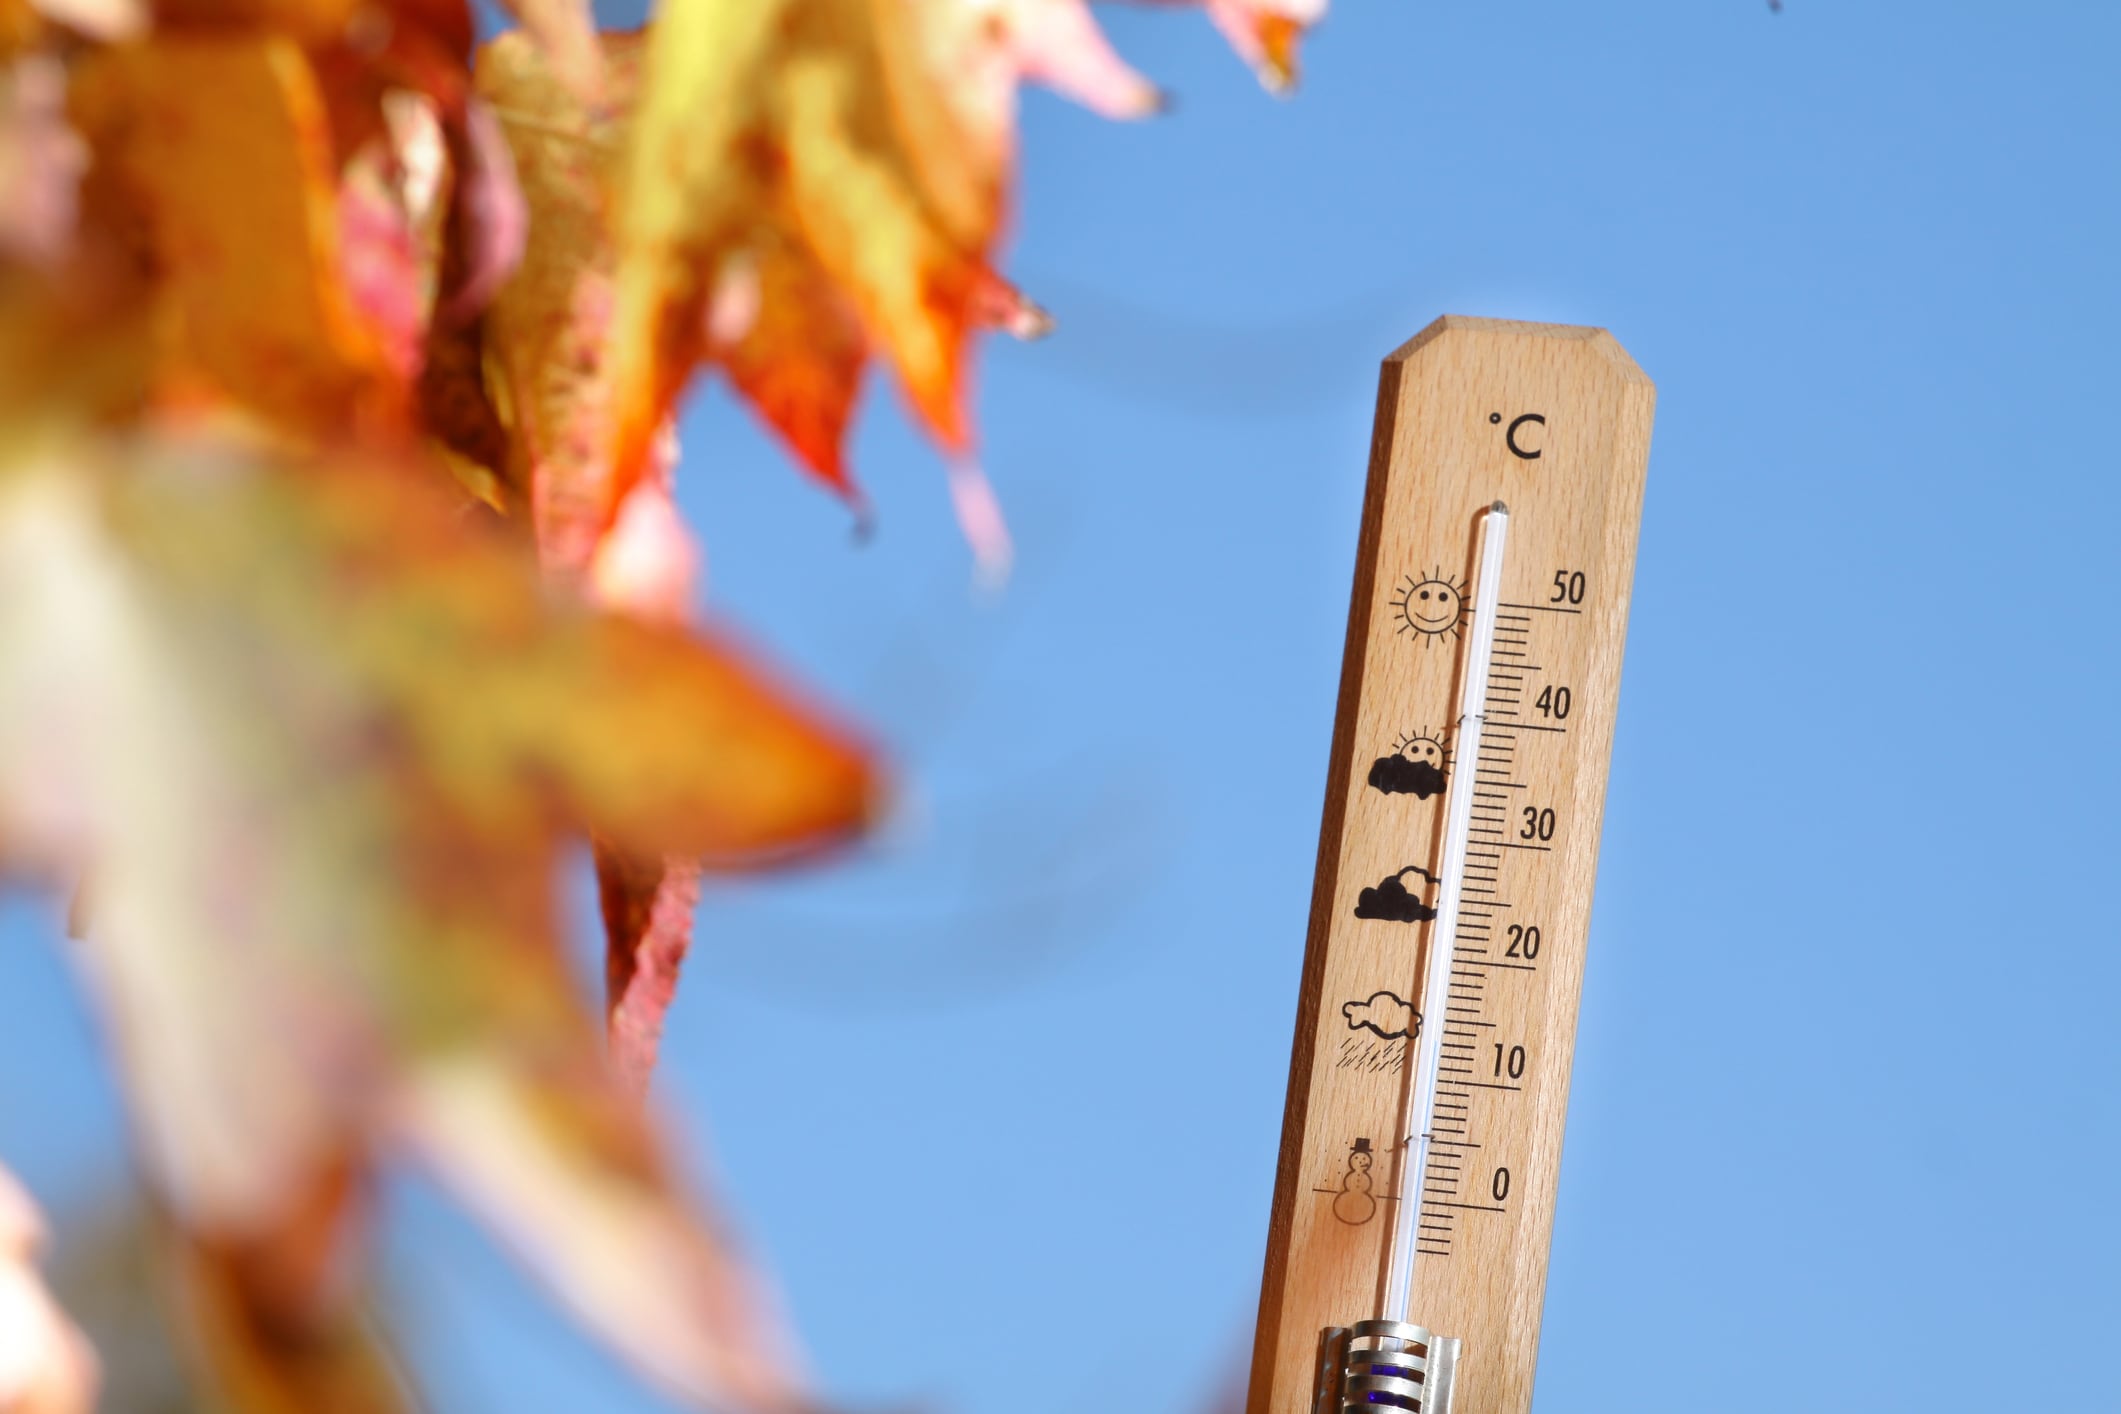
1500	1186
1554	702
1568	587
1524	942
1538	823
1509	1062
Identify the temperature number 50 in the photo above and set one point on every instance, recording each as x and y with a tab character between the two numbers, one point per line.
1568	587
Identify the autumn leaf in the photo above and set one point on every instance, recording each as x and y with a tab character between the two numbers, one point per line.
818	149
849	162
1264	33
45	1365
42	159
248	288
285	294
860	178
566	31
323	742
547	330
277	1305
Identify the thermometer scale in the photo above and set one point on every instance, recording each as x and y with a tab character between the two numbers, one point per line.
1407	1250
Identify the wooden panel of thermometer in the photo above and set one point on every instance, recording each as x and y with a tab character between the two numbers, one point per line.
1407	1253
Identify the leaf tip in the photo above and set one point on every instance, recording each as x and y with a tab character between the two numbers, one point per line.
1278	35
979	515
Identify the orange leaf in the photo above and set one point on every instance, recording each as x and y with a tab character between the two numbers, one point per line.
238	203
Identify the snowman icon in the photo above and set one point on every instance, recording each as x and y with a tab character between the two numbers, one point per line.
1354	1204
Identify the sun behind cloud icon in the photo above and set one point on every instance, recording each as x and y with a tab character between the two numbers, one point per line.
1416	766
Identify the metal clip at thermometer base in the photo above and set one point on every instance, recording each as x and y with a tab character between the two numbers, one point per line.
1386	1365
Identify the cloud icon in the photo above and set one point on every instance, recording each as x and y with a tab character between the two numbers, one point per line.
1392	902
1396	775
1385	1014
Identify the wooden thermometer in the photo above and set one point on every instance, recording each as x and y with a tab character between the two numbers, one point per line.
1407	1255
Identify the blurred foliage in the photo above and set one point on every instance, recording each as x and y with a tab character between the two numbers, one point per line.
342	591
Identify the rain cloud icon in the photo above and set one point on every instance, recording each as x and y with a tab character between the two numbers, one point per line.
1385	1014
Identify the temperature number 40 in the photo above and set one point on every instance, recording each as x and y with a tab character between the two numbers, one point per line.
1554	702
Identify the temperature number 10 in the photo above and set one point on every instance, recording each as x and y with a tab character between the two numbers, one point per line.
1509	1061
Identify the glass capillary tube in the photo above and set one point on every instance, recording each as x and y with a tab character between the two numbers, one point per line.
1443	929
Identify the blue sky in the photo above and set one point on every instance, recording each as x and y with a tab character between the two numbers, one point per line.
1844	1095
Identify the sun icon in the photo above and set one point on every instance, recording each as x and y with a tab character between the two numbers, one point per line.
1431	607
1424	748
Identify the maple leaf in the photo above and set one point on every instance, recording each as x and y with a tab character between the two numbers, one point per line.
320	742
